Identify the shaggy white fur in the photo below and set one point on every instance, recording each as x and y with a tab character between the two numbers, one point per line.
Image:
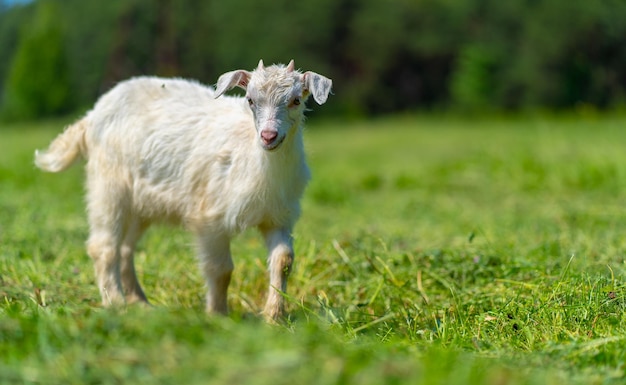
171	149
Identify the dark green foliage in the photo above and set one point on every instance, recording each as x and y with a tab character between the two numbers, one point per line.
475	55
9	38
38	78
473	82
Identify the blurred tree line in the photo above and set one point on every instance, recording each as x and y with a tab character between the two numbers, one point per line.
57	56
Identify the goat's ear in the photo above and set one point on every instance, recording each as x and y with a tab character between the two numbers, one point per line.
229	80
318	85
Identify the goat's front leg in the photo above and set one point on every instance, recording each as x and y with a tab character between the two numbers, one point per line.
217	265
280	247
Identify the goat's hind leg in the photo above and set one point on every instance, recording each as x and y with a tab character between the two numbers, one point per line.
104	249
108	223
132	288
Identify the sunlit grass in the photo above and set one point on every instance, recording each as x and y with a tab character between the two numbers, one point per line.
430	251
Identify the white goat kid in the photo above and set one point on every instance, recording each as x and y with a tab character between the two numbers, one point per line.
169	149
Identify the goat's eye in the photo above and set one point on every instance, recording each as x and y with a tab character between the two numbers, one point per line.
250	101
295	101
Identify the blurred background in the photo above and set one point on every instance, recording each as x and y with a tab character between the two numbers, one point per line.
58	56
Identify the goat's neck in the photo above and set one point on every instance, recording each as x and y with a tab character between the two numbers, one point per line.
288	161
291	151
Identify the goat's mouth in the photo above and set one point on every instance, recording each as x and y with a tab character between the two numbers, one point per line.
273	144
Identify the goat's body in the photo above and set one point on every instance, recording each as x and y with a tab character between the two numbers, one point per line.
181	155
168	150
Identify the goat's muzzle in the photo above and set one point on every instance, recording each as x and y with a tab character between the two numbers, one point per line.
270	139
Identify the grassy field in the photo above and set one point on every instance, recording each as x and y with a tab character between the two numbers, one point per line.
430	251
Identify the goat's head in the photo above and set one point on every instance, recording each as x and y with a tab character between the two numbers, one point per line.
276	95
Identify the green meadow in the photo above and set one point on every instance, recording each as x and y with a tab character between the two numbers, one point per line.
431	250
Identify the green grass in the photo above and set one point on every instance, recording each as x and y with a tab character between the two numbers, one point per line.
430	251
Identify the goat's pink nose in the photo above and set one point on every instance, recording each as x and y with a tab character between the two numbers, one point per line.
268	136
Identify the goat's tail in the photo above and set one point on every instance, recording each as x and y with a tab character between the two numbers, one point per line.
64	149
